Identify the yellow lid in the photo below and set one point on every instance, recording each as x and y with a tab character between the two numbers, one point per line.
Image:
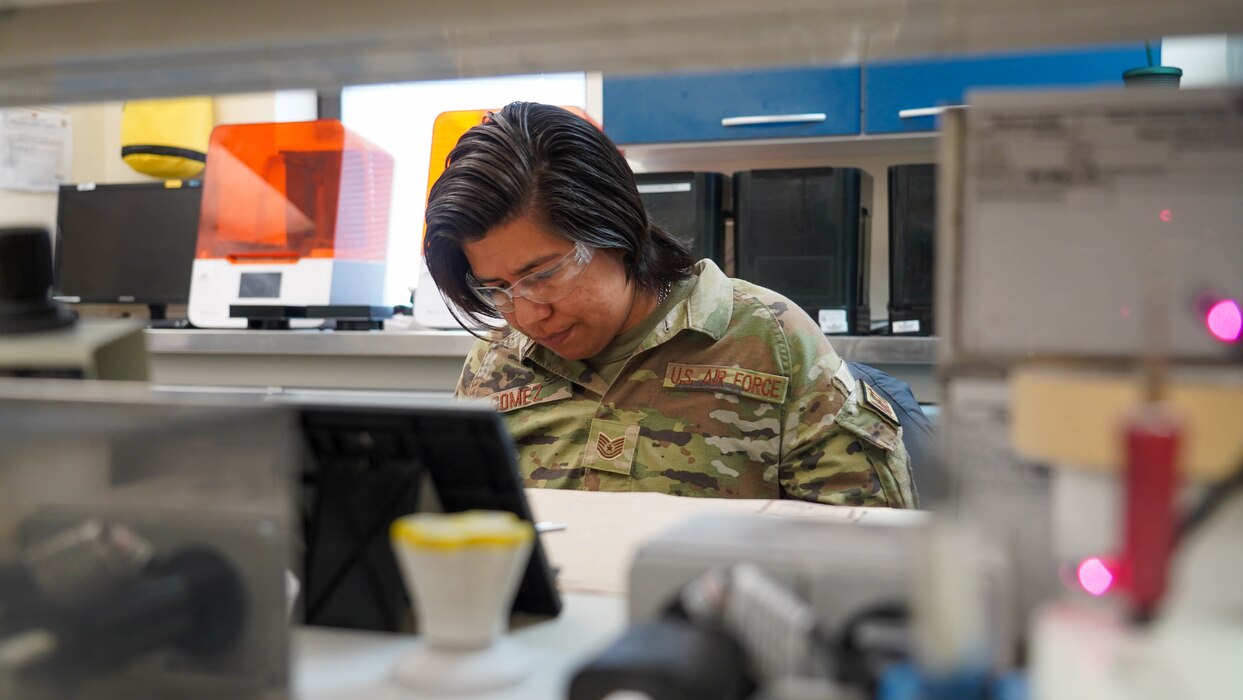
472	528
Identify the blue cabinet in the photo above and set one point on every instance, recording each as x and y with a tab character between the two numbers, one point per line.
837	101
793	103
891	87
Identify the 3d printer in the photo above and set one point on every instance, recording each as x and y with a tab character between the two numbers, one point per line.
294	225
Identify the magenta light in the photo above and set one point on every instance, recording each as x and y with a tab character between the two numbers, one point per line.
1166	215
1094	576
1224	320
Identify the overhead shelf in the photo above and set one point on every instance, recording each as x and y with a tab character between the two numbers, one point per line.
63	51
724	155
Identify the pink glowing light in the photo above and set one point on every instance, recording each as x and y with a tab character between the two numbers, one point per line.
1094	576
1224	320
1166	215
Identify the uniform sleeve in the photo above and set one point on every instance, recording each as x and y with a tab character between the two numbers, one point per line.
835	449
467	386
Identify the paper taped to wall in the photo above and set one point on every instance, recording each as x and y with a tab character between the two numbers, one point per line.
35	149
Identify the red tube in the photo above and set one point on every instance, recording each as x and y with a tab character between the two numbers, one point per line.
1153	437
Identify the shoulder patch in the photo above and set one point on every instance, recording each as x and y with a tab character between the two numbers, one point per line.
531	394
730	380
877	402
868	424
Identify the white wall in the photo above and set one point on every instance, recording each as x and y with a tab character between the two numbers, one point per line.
399	118
1207	60
27	209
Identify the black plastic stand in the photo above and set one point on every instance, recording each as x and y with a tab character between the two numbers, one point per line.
352	318
266	317
342	317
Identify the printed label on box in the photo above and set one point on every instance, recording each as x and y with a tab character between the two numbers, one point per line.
911	326
833	321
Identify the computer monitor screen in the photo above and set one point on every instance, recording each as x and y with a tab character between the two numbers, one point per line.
368	465
130	243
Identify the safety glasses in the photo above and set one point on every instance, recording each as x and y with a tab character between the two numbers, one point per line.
551	283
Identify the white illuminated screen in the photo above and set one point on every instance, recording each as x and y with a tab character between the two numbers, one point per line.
399	119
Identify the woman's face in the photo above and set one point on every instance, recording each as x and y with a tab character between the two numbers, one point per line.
577	326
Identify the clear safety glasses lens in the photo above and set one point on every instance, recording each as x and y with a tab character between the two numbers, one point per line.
545	286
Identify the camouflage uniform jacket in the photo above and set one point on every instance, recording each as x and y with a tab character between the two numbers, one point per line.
735	393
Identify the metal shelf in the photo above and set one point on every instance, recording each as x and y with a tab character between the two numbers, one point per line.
410	360
55	52
311	342
726	155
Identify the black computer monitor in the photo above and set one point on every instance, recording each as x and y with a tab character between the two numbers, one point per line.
131	243
369	464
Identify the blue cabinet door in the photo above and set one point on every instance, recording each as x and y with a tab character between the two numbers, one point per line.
893	86
727	106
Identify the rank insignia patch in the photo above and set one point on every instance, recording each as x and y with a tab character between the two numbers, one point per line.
609	449
610	446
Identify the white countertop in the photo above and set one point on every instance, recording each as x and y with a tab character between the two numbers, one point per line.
870	349
333	664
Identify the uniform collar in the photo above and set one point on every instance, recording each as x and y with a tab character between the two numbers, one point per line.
576	371
708	308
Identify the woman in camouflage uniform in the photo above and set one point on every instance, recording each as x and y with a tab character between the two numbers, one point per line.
626	365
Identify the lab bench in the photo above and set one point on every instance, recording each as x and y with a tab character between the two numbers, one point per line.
412	361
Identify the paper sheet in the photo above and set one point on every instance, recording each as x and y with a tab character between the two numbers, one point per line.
35	149
604	530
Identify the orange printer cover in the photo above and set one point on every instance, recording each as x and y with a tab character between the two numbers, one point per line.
285	191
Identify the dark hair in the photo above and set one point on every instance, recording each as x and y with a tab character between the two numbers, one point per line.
548	164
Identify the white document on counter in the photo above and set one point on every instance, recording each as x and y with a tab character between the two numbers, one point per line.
592	554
